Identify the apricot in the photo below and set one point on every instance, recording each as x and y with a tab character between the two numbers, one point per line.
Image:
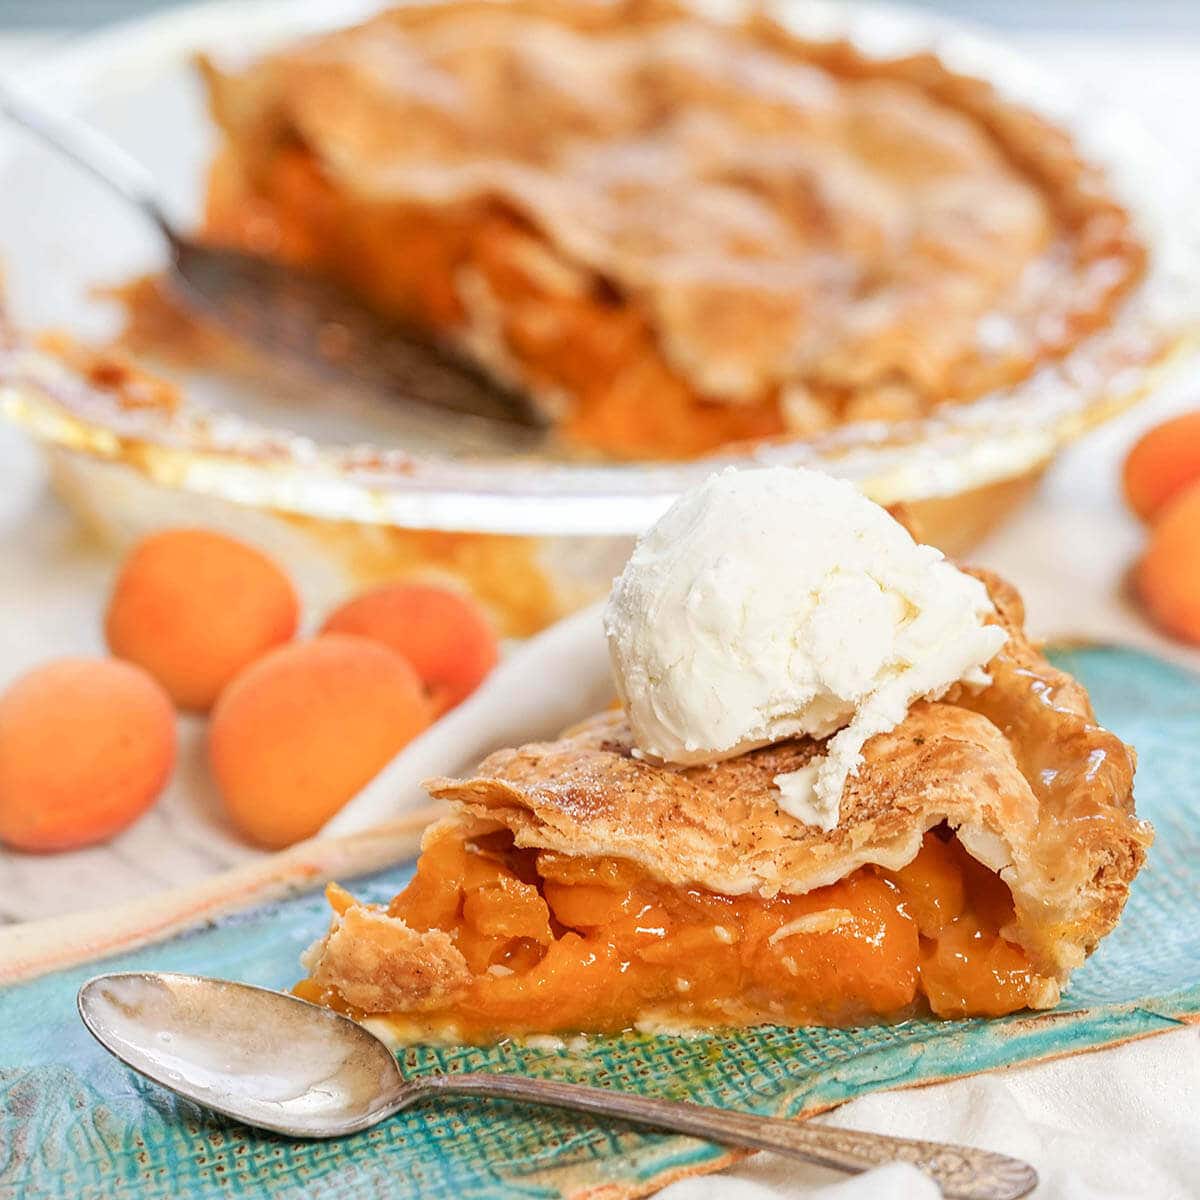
1162	464
445	635
306	727
194	607
1168	576
86	746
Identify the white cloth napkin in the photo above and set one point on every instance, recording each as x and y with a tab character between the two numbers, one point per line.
1121	1124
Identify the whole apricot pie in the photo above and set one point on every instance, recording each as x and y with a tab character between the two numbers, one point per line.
674	233
985	847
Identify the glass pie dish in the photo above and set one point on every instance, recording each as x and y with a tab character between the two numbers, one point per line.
341	487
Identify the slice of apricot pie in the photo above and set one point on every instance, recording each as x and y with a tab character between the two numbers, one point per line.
983	848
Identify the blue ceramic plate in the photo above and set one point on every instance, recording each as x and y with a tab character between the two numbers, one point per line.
75	1123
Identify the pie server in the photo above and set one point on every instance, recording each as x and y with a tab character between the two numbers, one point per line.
277	1062
294	315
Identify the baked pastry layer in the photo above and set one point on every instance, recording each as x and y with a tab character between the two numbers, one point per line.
677	233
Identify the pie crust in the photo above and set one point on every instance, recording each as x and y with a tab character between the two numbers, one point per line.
676	233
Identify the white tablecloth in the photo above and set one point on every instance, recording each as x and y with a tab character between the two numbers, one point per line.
1124	1123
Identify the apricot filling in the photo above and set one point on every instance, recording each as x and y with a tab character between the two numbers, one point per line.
565	332
560	944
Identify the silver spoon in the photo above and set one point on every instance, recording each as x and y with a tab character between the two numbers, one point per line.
274	1061
294	315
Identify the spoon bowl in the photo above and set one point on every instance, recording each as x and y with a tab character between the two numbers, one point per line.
272	1061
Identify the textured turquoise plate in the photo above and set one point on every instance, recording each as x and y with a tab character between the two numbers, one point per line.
75	1123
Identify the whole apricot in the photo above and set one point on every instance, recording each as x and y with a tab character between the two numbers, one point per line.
444	634
1168	576
306	727
1162	464
86	746
194	607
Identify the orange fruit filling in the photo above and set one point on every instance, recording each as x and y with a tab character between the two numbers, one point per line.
560	944
406	261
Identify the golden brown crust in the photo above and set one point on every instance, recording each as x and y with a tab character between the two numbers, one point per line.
839	227
1033	788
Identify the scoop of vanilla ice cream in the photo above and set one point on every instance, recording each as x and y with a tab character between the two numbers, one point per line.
770	603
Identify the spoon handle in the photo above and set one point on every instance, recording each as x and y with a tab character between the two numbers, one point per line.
960	1171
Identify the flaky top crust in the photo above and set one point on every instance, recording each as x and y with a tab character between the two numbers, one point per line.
1032	786
789	214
